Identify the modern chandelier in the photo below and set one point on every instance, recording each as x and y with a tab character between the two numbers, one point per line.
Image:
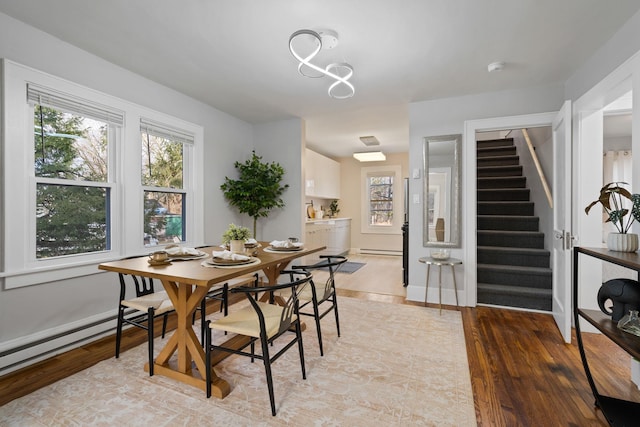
315	42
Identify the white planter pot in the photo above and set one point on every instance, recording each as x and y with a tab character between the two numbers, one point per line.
236	246
622	242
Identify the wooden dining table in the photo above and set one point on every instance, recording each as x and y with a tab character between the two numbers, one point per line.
187	282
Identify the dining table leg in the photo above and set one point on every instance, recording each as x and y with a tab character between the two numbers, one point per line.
185	343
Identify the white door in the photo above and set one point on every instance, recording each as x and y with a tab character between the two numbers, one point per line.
561	254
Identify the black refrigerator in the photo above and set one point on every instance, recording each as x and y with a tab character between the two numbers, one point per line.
405	236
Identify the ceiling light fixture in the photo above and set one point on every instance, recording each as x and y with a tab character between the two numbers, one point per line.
315	42
495	66
370	156
369	140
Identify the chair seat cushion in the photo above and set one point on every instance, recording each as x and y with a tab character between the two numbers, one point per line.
245	321
159	301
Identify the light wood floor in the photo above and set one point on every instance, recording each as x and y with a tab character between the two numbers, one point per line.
522	373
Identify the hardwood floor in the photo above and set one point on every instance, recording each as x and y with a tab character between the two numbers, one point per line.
522	373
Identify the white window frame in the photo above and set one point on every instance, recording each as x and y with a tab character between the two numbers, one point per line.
19	264
396	222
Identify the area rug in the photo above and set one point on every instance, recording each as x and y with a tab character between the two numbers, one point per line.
348	267
393	365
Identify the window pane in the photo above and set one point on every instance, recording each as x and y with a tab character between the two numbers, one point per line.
69	146
71	220
161	162
163	214
381	200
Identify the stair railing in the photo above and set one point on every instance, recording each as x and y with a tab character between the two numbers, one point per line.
543	179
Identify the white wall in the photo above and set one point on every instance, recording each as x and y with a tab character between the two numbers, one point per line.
624	44
38	311
446	117
282	142
351	205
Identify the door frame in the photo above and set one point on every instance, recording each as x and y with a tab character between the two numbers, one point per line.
470	184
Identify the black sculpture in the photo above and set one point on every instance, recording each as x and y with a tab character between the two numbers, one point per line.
625	295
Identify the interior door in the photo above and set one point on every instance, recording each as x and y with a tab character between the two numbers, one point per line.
561	253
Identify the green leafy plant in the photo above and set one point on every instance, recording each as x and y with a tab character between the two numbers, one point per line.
258	190
235	232
612	197
333	208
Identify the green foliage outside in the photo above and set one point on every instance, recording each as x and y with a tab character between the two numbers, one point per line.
69	219
258	189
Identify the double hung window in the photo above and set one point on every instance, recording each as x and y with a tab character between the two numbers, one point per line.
381	200
72	140
88	177
162	175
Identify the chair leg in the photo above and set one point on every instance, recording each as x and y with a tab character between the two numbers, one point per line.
119	330
203	317
150	322
165	317
301	349
208	358
316	316
335	310
267	370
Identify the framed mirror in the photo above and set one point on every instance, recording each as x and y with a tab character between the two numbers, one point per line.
441	216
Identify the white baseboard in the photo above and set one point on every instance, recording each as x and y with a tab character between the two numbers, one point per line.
365	251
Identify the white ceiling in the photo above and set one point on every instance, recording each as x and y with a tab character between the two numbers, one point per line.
233	54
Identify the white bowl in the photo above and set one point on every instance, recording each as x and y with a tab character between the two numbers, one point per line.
440	254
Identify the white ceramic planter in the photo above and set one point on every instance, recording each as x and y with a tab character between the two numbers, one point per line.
622	242
236	246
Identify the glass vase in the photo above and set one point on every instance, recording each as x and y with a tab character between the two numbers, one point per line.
630	323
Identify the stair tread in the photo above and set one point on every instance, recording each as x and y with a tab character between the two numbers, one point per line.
515	268
514	250
507	232
521	290
503	189
508	217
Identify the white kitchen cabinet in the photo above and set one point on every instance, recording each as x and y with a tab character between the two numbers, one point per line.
322	176
335	234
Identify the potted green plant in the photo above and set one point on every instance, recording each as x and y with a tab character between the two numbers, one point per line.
235	236
612	197
333	209
258	190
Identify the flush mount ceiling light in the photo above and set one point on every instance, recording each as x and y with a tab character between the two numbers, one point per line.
369	140
313	42
495	66
370	156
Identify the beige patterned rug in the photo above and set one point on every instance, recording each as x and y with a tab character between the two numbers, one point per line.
393	365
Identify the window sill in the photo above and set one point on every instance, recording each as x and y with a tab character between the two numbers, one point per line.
19	279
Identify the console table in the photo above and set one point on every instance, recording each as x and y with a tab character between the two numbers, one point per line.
452	262
618	412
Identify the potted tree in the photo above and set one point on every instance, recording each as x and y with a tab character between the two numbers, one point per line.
235	236
612	198
258	189
333	209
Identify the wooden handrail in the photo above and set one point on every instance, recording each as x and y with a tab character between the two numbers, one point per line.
534	156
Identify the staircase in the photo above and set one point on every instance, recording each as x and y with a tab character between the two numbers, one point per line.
513	266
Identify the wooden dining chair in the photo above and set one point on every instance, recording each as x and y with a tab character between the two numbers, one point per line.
318	294
263	321
141	310
221	293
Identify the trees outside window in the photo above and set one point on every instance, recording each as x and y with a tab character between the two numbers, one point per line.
70	166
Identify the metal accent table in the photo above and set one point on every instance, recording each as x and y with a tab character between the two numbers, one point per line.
440	262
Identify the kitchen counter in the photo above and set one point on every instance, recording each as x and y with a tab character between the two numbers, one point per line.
324	220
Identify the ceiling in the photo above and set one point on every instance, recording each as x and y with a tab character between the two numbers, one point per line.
233	55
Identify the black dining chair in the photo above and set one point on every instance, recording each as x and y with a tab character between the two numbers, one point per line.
221	293
318	294
141	310
263	321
